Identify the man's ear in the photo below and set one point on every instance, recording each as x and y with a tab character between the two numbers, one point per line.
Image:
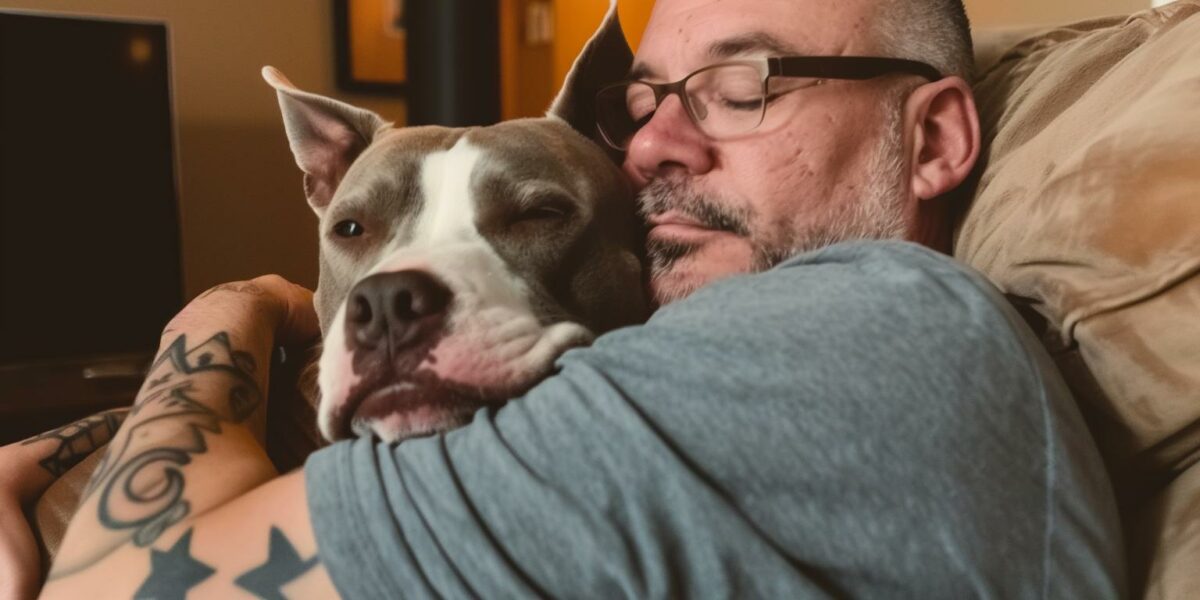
946	136
605	59
325	135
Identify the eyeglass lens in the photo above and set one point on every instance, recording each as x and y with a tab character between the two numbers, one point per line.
724	100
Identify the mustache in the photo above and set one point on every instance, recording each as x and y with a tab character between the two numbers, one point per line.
674	194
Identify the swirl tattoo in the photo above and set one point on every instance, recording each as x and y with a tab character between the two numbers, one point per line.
140	480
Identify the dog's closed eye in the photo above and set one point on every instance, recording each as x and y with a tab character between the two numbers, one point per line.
547	211
544	207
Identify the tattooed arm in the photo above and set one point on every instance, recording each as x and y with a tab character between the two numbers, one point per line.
185	499
26	469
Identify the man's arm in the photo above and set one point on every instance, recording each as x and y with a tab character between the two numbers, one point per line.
44	458
27	468
259	544
184	496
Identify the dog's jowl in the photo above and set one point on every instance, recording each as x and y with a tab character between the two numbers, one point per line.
456	264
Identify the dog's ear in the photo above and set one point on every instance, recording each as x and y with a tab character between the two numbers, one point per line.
605	59
325	135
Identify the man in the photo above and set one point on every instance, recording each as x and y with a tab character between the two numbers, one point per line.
868	419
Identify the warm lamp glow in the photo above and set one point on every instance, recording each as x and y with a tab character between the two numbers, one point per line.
140	50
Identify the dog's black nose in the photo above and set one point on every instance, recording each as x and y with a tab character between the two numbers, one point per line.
396	306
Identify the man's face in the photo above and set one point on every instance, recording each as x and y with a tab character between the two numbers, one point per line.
826	164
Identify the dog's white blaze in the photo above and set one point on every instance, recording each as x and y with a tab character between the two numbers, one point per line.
447	242
449	208
486	292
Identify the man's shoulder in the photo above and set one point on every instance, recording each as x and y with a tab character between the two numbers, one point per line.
854	310
853	284
882	253
892	267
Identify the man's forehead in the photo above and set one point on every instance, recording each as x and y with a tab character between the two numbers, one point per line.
689	34
738	45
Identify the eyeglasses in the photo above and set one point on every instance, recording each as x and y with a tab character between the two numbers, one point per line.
731	98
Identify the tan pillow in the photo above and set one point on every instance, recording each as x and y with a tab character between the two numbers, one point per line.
1088	214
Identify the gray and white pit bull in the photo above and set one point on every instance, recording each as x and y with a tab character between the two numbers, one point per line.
457	264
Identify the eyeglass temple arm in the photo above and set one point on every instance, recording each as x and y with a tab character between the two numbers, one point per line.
848	67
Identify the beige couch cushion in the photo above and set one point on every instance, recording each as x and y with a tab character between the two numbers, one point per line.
1088	214
1166	549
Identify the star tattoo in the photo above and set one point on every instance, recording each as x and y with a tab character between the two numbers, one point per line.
283	566
174	572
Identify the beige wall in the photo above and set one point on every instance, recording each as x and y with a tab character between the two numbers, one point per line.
242	206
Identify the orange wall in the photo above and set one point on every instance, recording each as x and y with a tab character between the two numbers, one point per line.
634	15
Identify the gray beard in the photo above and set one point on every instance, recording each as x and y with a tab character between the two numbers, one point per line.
678	194
876	214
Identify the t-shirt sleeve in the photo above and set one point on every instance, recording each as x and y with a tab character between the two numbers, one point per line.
865	420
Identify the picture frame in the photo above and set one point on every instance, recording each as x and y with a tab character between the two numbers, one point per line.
369	46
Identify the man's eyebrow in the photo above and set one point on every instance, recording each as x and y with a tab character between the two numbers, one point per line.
758	42
641	71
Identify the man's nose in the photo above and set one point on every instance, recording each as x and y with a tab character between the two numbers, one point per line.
394	310
670	141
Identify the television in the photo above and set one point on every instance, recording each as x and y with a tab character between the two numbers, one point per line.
89	220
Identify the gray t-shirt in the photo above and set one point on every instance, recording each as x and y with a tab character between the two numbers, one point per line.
868	420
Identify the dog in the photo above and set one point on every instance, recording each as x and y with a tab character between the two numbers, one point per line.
457	264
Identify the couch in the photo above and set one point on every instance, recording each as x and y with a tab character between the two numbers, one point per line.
1085	211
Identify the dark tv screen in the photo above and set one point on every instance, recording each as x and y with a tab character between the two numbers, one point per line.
89	227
